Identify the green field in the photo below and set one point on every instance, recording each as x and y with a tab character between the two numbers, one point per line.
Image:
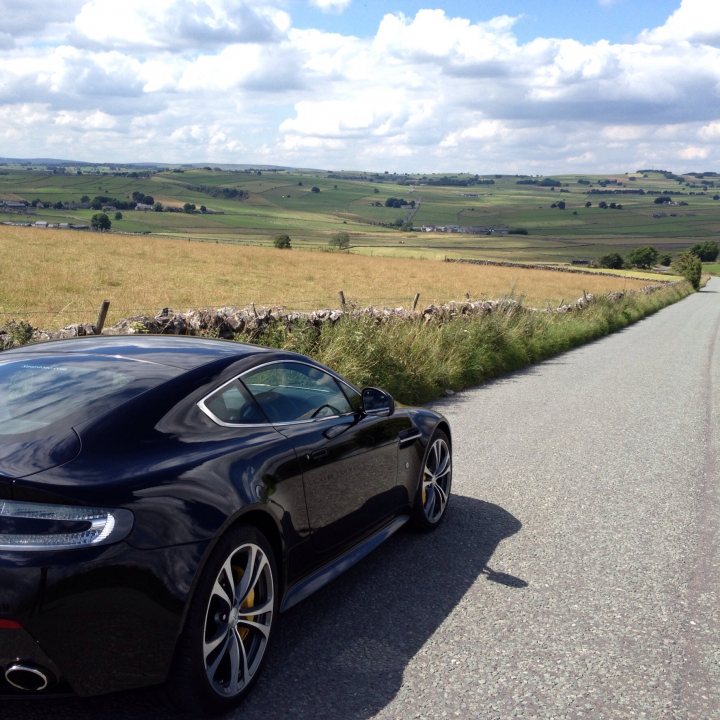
283	201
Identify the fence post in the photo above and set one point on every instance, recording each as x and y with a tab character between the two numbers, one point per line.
341	296
102	314
415	301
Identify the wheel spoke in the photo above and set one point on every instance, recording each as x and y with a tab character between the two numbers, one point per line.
251	624
218	590
444	465
236	649
253	572
441	497
210	645
212	669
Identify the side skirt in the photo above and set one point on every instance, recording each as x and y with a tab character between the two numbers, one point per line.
308	585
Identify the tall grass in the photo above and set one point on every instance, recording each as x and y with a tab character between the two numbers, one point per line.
417	362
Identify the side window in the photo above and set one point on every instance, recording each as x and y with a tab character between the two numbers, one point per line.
233	404
292	391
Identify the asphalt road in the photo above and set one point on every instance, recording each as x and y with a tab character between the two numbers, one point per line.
577	572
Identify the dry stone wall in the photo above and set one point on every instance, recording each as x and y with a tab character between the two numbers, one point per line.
250	322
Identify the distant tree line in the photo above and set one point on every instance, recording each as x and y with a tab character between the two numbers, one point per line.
218	191
394	202
688	264
545	182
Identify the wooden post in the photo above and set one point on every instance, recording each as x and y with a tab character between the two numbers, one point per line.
341	296
102	314
415	301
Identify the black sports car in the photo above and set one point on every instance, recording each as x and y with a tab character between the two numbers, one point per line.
162	499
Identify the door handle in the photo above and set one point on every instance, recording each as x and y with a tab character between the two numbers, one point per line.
317	454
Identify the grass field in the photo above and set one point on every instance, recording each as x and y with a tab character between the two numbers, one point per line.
55	277
283	201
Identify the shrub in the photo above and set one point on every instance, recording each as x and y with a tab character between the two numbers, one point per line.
689	266
340	240
17	333
282	242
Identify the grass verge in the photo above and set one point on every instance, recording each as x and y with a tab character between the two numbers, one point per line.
417	362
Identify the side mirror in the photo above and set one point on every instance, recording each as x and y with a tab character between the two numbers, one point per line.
377	402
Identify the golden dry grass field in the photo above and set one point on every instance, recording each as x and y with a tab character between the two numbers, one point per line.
56	277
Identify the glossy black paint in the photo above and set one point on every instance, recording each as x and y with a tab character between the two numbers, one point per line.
106	618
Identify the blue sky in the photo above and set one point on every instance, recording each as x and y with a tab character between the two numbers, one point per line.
585	20
520	86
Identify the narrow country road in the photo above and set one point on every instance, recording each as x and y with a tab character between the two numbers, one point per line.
576	575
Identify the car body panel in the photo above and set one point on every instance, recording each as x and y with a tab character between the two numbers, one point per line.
325	492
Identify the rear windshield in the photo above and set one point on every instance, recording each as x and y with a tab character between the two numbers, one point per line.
36	392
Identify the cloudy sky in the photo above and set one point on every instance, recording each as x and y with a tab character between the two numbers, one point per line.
486	86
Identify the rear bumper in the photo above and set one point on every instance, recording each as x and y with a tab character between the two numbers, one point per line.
98	620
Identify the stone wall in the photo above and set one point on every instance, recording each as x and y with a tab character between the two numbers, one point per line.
249	323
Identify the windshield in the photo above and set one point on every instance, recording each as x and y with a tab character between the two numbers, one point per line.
36	392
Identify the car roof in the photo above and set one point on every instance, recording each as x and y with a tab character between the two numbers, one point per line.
172	350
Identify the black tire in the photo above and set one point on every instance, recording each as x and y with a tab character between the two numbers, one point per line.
434	484
229	626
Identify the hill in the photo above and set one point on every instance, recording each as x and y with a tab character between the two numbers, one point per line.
523	218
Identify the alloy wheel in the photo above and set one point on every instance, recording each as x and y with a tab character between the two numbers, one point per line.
437	476
238	620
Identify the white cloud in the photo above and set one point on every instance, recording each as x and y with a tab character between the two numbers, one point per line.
373	114
694	21
331	5
178	25
710	132
97	120
693	152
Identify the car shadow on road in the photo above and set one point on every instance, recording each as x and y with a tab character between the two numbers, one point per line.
342	653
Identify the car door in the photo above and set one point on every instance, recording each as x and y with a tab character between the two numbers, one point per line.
349	460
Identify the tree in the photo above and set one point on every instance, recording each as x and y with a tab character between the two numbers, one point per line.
100	221
118	215
158	207
707	251
340	240
315	189
282	242
689	266
189	207
663	200
613	260
203	209
643	257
